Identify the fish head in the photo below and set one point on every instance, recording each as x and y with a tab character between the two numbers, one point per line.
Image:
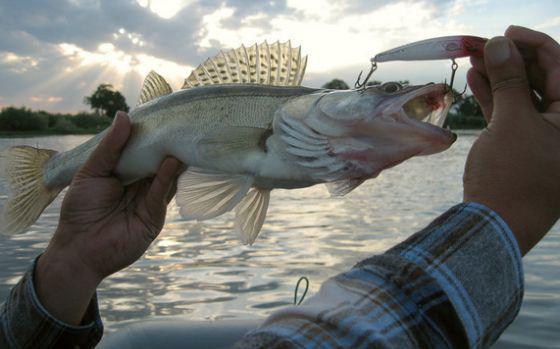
369	130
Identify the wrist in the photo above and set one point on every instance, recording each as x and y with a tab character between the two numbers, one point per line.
64	285
522	219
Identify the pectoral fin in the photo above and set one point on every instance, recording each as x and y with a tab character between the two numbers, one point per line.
204	194
250	214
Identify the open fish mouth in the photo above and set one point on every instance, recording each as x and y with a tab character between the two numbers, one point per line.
428	104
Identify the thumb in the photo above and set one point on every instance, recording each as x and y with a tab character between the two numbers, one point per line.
105	157
507	75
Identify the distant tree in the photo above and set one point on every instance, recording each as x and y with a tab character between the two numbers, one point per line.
336	84
107	101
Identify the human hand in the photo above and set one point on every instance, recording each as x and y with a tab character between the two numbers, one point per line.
103	226
513	166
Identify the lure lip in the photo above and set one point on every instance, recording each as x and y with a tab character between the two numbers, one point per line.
445	47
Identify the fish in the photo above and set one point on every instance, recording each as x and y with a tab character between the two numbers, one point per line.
245	125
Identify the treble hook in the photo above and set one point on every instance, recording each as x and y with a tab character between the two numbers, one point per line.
363	84
454	67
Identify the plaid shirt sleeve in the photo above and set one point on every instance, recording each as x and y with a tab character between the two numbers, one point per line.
25	323
458	283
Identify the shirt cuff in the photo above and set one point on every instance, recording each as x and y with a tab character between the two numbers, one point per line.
26	322
475	258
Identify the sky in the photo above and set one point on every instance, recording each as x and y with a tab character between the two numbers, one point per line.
55	52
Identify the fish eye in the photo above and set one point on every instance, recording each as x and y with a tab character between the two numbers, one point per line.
391	87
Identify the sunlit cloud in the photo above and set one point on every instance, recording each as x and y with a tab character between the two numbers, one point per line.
134	38
18	64
165	8
333	41
46	99
122	63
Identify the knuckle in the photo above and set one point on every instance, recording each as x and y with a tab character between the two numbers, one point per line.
505	84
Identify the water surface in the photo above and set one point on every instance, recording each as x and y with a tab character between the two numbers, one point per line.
201	271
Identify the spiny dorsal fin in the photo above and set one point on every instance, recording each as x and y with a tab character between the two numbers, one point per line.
154	86
277	64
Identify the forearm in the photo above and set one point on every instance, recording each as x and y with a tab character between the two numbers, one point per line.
457	283
26	323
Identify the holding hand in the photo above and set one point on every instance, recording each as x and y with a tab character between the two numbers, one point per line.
514	166
103	226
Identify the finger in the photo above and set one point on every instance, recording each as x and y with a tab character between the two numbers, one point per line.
166	177
507	76
105	157
543	49
528	38
482	92
553	118
478	64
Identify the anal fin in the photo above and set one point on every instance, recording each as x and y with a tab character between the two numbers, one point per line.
250	214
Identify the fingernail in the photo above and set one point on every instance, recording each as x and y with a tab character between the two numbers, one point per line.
497	50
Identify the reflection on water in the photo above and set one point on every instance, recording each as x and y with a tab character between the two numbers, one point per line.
202	271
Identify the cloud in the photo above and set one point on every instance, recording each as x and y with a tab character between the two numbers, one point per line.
333	40
64	48
549	23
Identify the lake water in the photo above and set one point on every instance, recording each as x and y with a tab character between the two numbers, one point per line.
201	271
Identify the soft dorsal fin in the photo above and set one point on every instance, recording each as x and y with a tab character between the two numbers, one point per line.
277	64
250	214
204	194
154	86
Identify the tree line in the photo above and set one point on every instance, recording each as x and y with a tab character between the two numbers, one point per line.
105	101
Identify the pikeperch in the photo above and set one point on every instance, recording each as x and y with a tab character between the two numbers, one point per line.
244	126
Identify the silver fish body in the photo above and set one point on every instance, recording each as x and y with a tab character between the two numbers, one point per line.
174	125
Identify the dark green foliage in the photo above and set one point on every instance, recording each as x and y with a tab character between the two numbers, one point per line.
91	121
336	84
64	125
25	120
22	119
106	100
465	113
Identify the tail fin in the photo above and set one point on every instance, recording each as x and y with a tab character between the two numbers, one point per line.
21	169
